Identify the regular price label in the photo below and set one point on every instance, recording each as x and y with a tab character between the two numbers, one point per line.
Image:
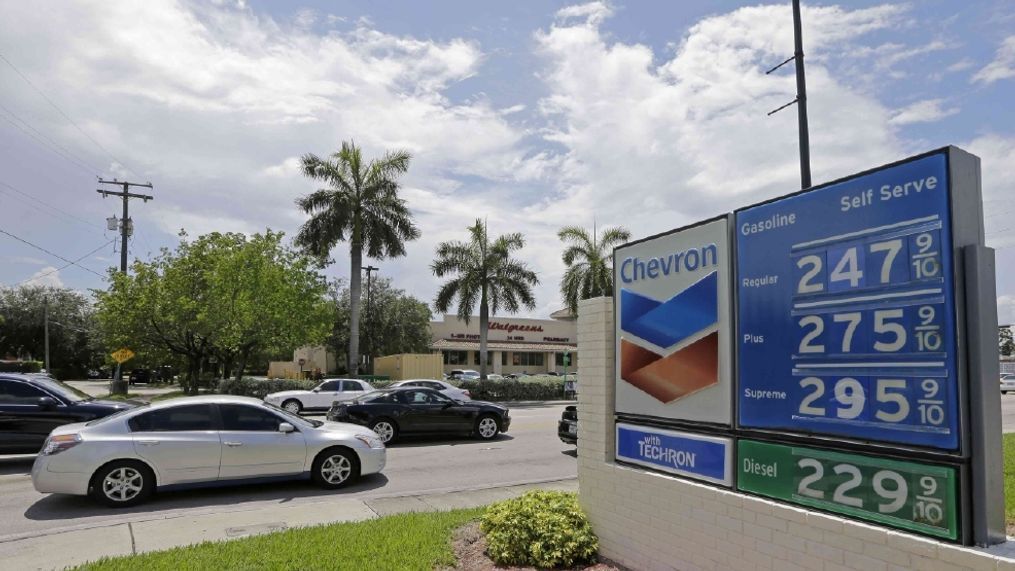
906	495
846	309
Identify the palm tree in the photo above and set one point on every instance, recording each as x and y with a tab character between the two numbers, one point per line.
361	205
483	271
588	259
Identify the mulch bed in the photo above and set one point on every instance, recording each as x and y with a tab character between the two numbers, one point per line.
469	545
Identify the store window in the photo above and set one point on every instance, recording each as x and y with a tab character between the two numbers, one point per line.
527	359
456	357
489	358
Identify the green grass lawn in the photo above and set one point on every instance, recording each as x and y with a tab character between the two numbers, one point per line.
1009	478
404	541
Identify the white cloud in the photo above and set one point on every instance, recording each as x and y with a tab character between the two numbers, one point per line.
997	165
48	276
1006	309
25	260
925	111
593	12
1003	66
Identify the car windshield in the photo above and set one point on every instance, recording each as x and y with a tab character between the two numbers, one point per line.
295	419
116	415
63	389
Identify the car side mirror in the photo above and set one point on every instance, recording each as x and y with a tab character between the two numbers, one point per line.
46	402
449	404
286	428
316	389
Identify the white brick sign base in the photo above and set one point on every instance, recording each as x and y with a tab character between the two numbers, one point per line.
648	521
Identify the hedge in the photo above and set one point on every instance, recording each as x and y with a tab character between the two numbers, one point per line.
20	366
247	387
545	529
510	390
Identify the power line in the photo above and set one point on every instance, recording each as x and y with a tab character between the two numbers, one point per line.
91	225
37	247
52	145
65	265
67	117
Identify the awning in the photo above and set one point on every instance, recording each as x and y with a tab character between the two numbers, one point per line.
454	345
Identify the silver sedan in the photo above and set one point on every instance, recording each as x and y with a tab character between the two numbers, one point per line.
121	459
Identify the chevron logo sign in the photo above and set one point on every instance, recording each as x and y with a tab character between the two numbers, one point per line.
670	348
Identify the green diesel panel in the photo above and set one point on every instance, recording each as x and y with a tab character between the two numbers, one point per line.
906	495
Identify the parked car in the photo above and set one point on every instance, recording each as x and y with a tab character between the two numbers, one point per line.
402	411
98	374
1007	383
321	396
495	377
444	387
31	406
120	460
141	376
567	427
464	375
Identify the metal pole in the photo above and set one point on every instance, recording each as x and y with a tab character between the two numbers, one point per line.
801	95
46	328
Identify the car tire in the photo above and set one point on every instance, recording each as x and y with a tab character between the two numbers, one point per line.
335	467
292	405
386	429
122	483
487	427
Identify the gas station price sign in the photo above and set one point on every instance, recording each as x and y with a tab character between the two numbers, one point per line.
846	309
906	495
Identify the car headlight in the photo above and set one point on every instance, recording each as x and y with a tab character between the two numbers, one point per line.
370	440
59	443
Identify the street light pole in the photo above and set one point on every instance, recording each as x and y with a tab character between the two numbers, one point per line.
370	319
46	329
801	97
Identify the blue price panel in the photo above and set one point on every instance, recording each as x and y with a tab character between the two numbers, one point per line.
846	309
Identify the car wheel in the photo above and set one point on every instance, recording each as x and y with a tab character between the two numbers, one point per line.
122	484
292	405
335	467
487	427
386	429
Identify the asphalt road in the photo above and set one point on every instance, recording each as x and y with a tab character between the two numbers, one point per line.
529	452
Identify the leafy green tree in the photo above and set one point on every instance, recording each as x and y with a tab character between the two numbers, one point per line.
394	322
72	332
361	205
221	295
483	271
588	258
1005	344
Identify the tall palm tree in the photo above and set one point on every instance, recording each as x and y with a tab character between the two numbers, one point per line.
588	259
483	271
361	205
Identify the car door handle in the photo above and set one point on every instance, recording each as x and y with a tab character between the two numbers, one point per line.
148	442
233	444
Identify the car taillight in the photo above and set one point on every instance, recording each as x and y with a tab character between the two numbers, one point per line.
59	443
467	393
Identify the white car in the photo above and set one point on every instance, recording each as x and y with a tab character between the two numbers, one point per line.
1007	383
121	459
321	396
464	375
445	388
494	377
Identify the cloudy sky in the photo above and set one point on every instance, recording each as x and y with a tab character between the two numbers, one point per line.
531	114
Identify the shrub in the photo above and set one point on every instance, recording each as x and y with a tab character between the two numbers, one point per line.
257	388
511	390
541	528
20	366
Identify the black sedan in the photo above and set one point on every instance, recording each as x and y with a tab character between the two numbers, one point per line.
402	411
567	427
31	406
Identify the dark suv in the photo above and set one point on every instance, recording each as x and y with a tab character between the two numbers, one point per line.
31	406
567	428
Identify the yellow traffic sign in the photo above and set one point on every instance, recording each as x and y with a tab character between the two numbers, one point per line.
122	355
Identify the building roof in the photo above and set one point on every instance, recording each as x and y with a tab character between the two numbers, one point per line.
563	315
501	346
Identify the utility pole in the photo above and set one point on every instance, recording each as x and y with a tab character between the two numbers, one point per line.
126	228
370	319
801	97
45	312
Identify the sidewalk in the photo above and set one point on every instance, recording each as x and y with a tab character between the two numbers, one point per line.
59	550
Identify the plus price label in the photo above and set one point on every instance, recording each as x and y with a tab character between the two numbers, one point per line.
907	495
846	309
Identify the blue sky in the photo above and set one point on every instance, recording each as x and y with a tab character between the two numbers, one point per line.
532	114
